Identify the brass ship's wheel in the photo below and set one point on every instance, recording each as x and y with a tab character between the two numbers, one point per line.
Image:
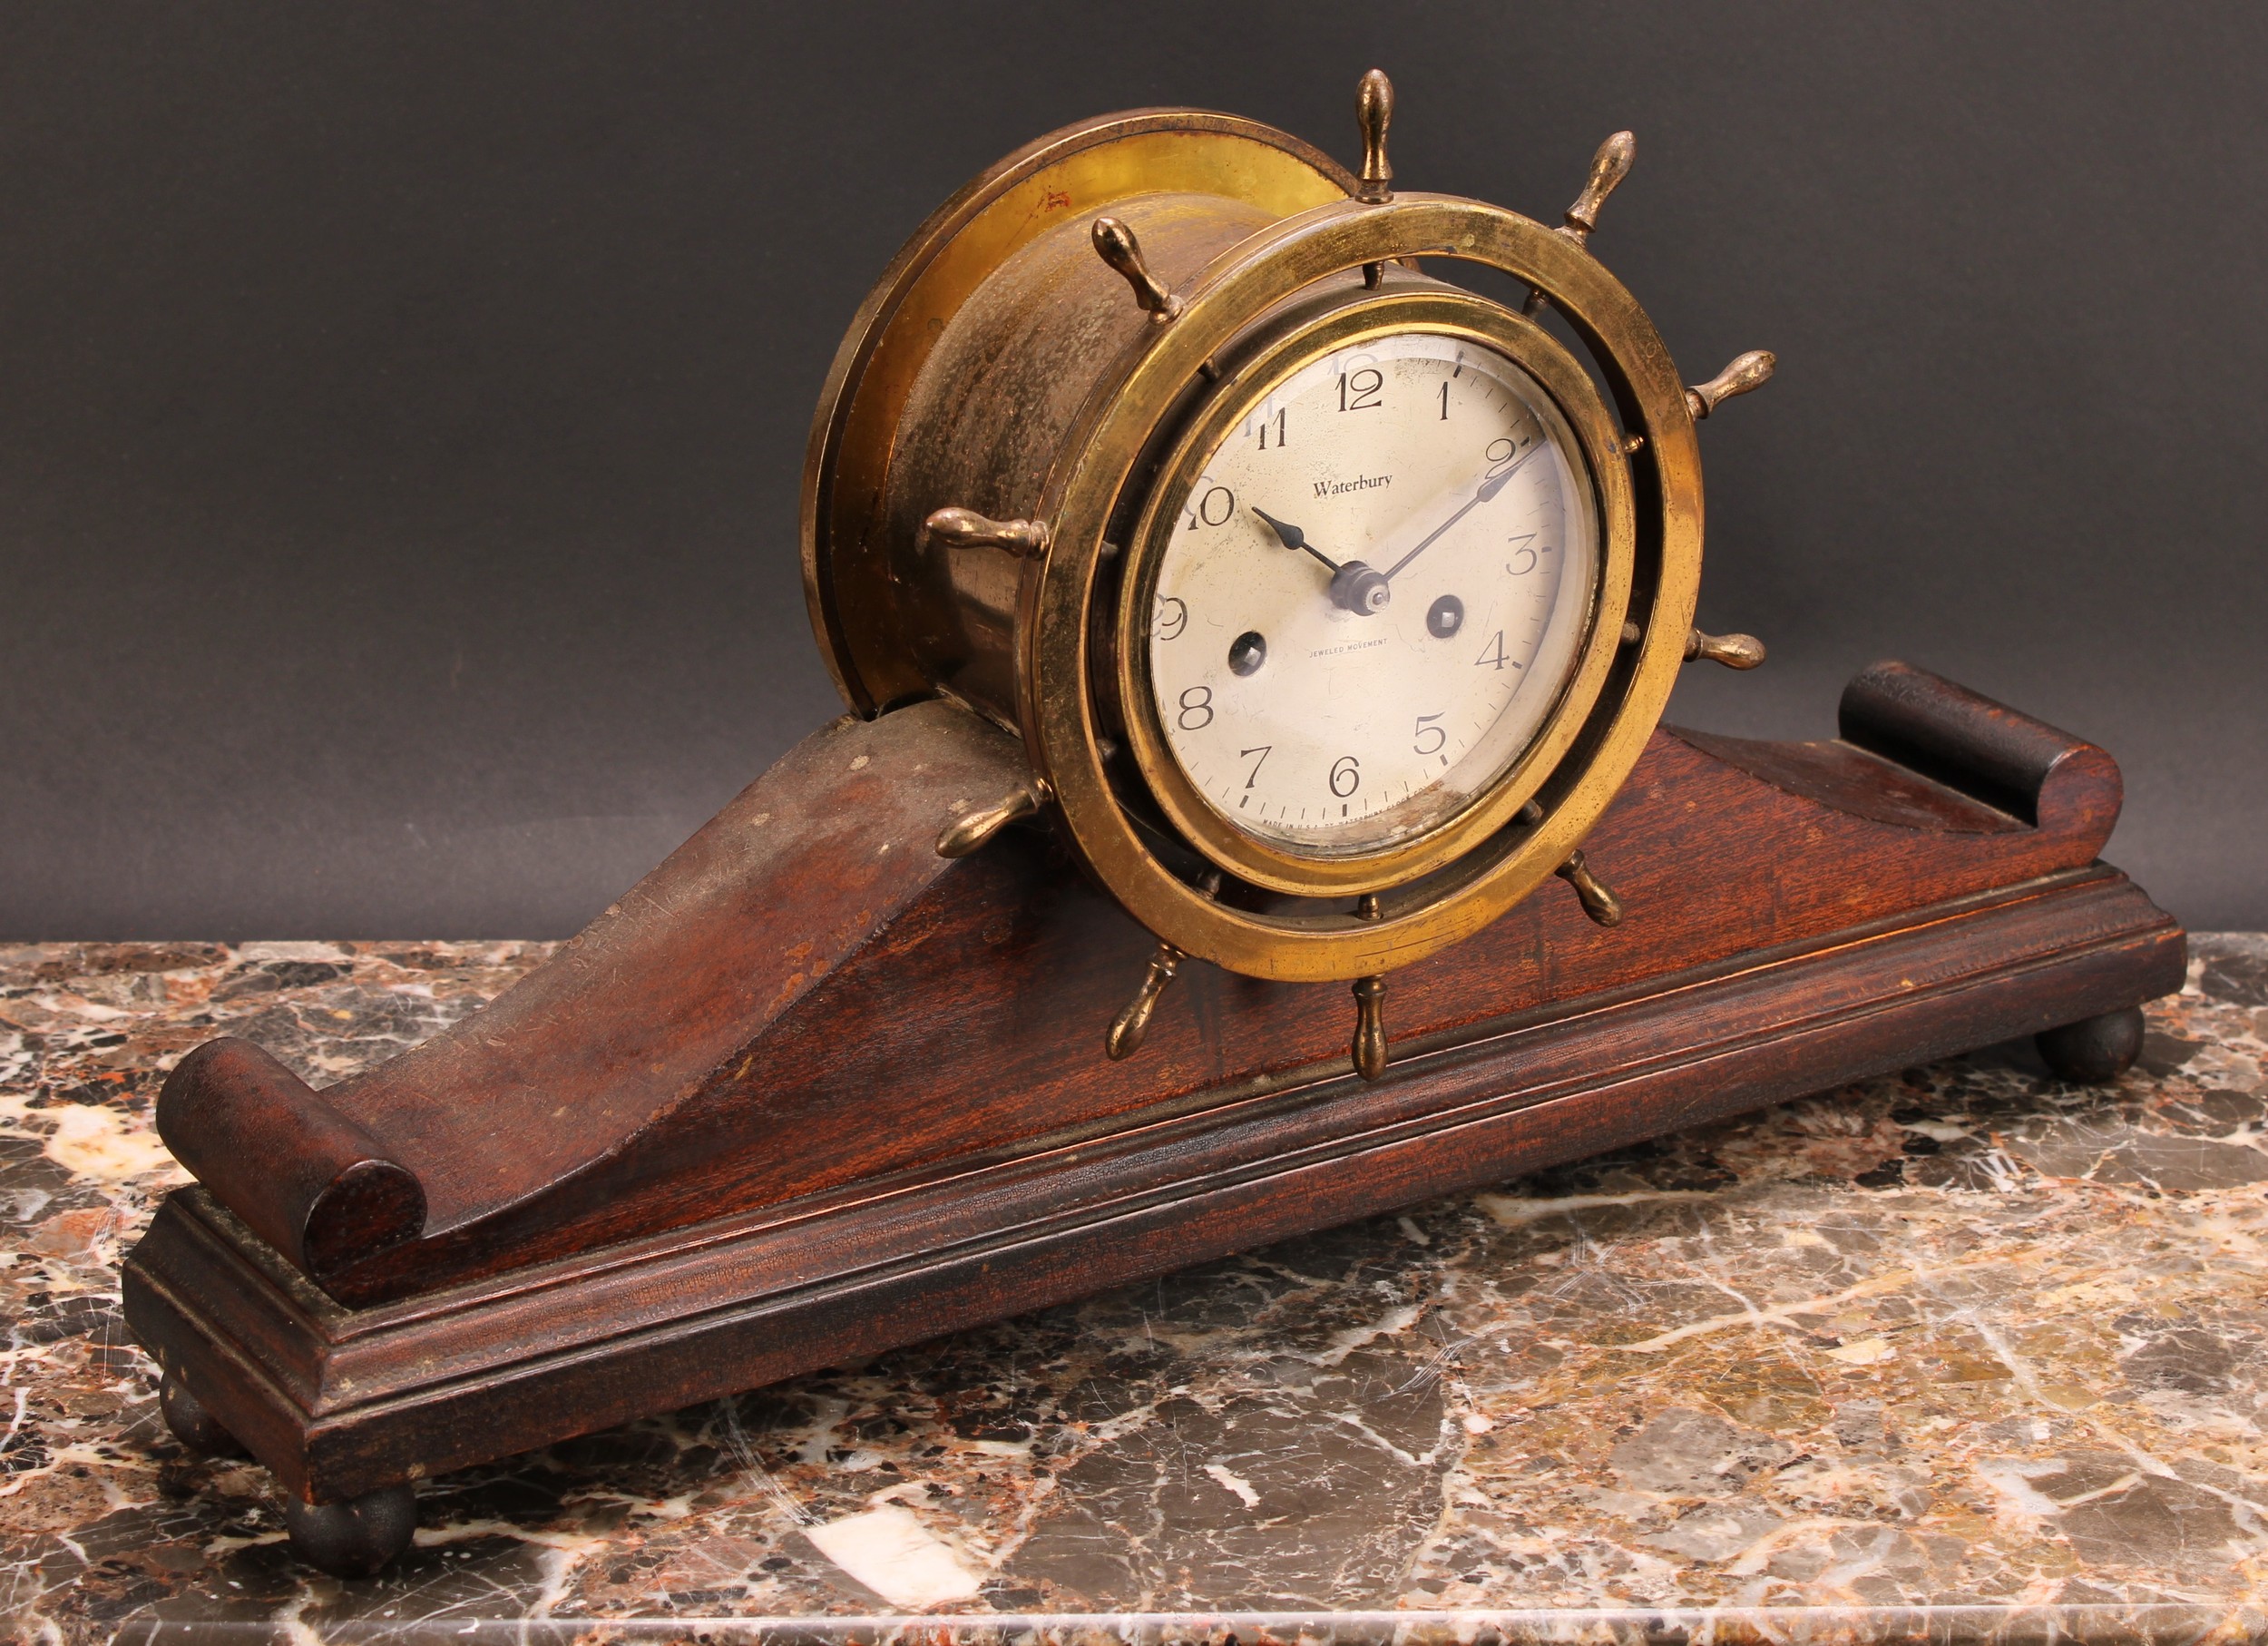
1333	602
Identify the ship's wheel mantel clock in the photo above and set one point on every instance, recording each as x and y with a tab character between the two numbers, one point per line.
1167	496
1333	602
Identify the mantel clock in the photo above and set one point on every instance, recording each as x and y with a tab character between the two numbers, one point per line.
1235	605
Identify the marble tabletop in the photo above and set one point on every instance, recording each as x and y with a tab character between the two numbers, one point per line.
1962	1352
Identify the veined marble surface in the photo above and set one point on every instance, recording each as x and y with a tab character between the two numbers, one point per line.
1961	1353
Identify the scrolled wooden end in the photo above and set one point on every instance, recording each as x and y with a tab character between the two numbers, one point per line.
311	1182
1986	750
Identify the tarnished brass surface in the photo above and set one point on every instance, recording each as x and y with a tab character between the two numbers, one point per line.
1734	650
991	413
1067	177
1747	374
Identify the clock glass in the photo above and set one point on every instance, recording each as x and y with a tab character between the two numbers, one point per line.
1377	590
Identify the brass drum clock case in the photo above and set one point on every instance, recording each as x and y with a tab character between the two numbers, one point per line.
828	1082
1003	373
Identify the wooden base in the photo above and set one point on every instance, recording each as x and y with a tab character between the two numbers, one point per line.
1802	916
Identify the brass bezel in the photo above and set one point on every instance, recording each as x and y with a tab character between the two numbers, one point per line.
1061	715
1344	319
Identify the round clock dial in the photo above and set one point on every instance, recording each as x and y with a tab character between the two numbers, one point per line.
1374	594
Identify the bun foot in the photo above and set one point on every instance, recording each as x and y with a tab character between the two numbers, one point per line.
355	1538
194	1426
2096	1049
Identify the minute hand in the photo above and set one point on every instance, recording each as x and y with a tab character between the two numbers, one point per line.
1487	489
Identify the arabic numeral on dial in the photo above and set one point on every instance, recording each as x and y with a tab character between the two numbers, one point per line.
1493	657
1197	709
1427	728
1502	450
1346	775
1172	617
1209	505
1523	560
1358	390
1278	421
1252	776
1445	399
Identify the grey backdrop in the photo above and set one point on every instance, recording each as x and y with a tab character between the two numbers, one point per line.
401	408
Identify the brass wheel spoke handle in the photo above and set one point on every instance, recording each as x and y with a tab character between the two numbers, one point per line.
973	830
1369	1050
1115	243
1373	112
967	529
1128	1028
1746	375
1608	167
1370	1027
1597	898
1734	650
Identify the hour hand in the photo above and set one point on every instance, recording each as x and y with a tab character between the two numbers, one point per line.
1292	537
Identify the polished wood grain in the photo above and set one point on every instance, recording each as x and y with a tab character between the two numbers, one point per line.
811	1093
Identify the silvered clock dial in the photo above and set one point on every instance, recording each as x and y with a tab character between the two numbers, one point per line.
1374	592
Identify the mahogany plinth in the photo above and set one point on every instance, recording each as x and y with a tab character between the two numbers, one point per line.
811	1091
